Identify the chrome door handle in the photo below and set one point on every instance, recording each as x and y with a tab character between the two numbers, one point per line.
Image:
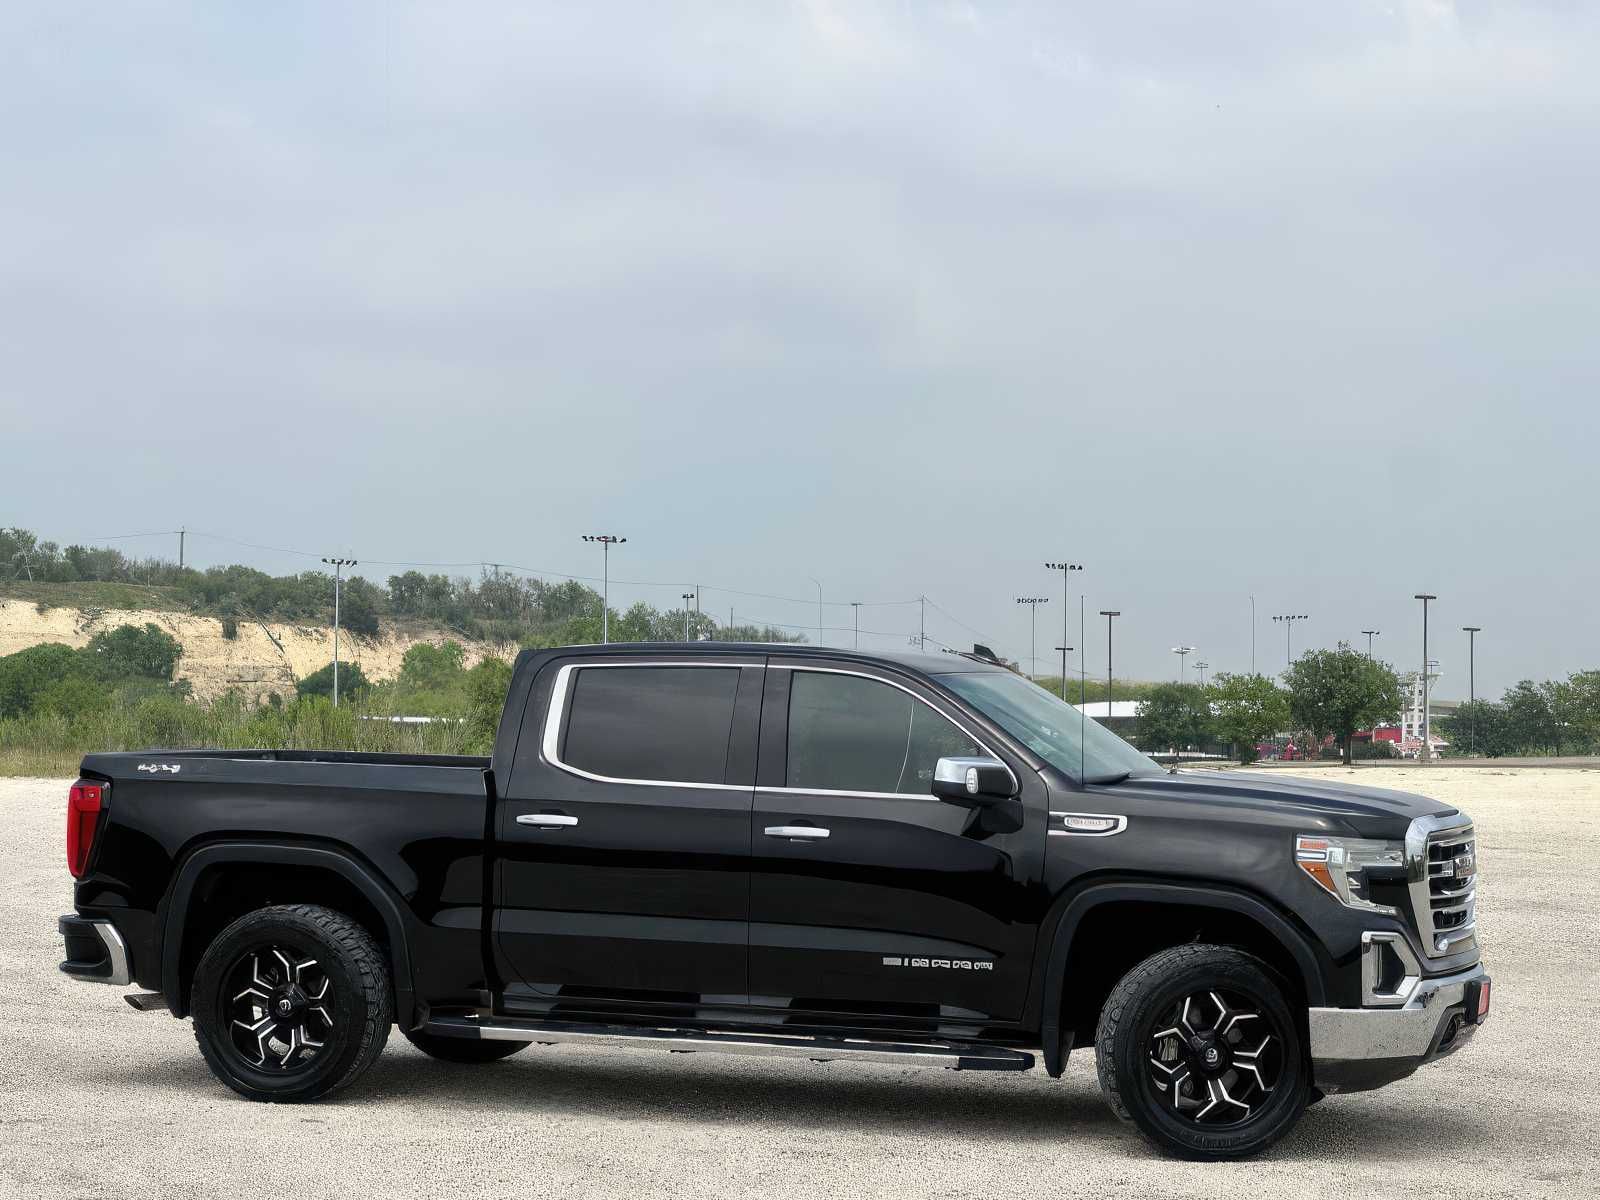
547	820
796	832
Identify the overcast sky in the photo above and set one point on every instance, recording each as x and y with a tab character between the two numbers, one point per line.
1280	299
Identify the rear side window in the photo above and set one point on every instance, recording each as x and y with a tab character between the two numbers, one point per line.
668	724
849	734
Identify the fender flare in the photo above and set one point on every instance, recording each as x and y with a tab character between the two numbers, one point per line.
1057	1044
174	912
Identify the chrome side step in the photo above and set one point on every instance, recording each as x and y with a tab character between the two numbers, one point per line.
952	1056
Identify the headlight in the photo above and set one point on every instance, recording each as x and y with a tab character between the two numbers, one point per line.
1343	867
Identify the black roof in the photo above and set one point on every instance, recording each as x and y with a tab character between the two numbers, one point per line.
926	664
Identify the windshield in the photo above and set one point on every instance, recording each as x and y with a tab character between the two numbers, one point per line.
1079	747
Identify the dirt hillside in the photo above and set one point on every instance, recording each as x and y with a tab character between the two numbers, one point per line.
261	659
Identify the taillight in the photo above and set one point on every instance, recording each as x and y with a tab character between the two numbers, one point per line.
84	803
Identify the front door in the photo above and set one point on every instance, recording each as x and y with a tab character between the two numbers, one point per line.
868	895
624	835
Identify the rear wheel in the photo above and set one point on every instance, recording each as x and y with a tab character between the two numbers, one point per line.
1198	1047
291	1002
463	1050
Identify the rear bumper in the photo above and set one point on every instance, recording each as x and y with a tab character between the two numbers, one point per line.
95	951
1357	1049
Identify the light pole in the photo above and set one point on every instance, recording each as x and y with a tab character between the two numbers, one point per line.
1252	635
1183	653
1033	603
1202	667
1371	633
686	597
606	540
1426	754
1066	569
1288	620
855	608
338	565
1108	615
1063	650
818	582
1472	632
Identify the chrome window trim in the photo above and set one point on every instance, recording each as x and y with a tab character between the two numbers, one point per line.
1121	824
562	690
1016	784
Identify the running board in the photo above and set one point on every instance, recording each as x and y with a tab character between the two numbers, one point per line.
952	1056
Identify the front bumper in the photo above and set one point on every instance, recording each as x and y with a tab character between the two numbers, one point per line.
1357	1049
95	951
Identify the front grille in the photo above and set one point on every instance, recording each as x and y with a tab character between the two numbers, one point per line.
1444	889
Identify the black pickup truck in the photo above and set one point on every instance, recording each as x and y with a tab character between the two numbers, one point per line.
789	851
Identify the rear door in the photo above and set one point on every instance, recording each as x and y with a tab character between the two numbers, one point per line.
867	894
624	833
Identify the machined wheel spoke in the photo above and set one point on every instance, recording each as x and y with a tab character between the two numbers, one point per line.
1211	1102
252	990
1177	1088
1165	1069
1222	1093
301	966
1183	1017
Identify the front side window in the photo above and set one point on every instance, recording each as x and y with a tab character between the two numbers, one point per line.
849	734
664	724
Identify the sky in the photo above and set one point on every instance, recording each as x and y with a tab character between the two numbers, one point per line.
1260	299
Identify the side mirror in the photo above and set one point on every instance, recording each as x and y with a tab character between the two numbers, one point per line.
973	782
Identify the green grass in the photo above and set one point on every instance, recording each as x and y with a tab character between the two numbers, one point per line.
47	743
94	595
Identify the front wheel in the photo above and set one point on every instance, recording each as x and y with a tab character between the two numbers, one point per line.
291	1002
1198	1047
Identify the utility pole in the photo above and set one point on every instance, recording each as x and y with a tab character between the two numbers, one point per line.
686	597
1183	653
855	608
1371	633
1063	650
1066	569
606	540
1426	754
922	624
1202	667
1252	635
818	582
1108	615
1472	632
1288	620
338	565
1033	603
181	532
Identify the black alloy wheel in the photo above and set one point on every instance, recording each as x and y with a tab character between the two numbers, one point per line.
291	1002
1216	1058
1198	1047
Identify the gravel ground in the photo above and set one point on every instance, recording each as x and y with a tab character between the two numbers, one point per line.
97	1100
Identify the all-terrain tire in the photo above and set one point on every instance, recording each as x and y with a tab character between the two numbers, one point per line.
463	1050
332	975
1141	1005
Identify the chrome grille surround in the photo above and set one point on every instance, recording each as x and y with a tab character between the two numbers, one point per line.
1442	879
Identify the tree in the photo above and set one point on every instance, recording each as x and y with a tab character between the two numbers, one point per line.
25	675
1481	727
1340	691
428	667
487	686
1248	708
320	682
358	608
1175	716
128	652
1530	722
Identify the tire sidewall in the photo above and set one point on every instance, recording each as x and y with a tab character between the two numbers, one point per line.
1229	971
209	1007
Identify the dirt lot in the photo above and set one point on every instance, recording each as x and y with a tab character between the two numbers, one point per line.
98	1100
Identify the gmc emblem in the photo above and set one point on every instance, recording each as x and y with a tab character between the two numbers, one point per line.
1464	866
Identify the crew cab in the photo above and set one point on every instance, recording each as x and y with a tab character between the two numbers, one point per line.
783	850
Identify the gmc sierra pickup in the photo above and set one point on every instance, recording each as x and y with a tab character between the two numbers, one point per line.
789	851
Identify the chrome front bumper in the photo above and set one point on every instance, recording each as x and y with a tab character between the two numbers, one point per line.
1354	1049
